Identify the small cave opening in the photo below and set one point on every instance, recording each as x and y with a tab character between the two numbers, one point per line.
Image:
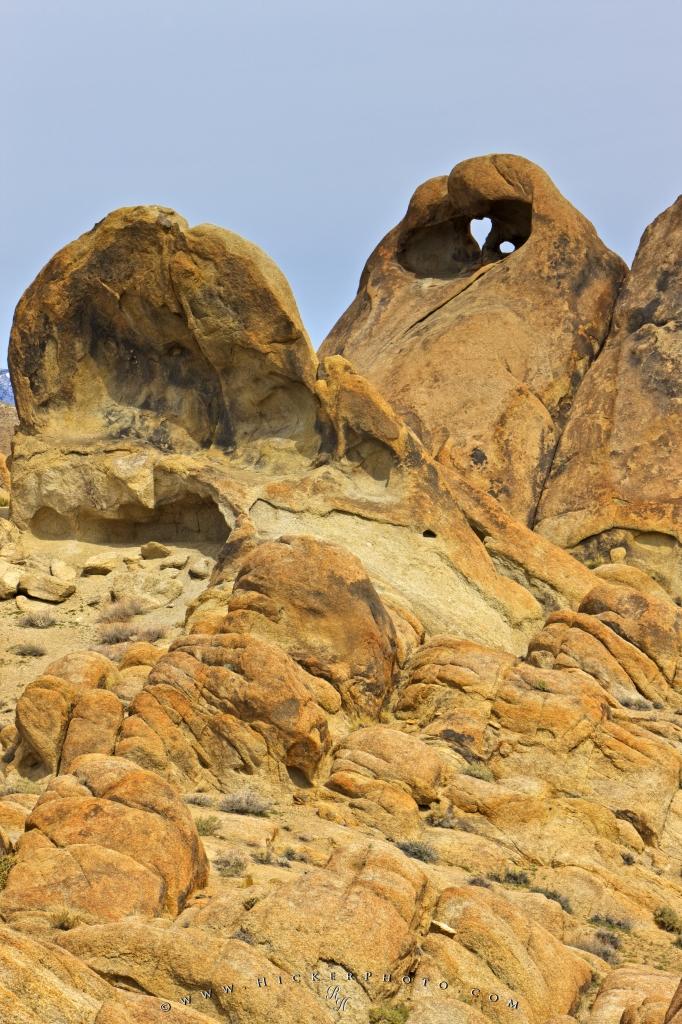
428	533
189	520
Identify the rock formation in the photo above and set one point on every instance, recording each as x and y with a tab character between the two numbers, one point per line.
481	350
615	480
402	758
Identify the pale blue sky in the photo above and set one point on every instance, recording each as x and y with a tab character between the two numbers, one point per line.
305	125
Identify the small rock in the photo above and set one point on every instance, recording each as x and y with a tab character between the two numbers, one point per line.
100	564
45	587
201	568
153	549
618	554
175	561
61	570
9	579
27	604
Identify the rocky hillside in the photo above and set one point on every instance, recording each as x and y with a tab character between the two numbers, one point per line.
346	687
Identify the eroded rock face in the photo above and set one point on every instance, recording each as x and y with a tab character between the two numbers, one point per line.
421	740
188	401
479	350
616	479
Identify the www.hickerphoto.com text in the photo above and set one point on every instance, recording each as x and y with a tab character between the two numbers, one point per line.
335	994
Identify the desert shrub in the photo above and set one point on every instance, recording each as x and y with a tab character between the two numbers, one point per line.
479	770
244	936
29	650
151	634
598	949
198	799
117	633
39	619
246	801
264	856
477	880
65	919
607	921
250	902
121	610
230	865
552	894
291	854
6	865
628	858
511	877
609	939
678	942
208	825
668	920
387	1014
420	851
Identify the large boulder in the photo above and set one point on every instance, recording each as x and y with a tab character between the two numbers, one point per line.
108	840
481	350
70	709
615	480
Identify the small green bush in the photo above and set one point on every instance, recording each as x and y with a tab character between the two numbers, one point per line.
208	825
668	920
419	851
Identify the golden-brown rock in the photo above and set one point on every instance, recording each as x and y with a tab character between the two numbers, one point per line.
109	840
615	480
481	350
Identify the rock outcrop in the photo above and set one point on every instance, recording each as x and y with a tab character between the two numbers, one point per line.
107	840
404	757
615	480
481	350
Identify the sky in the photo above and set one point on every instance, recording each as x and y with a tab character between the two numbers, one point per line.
305	125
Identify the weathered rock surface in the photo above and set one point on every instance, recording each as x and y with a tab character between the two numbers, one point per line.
70	709
8	424
418	740
479	350
616	477
189	400
40	983
108	840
